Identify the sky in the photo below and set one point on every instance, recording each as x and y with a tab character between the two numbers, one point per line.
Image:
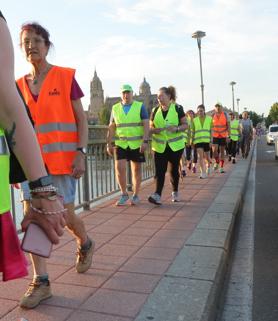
127	40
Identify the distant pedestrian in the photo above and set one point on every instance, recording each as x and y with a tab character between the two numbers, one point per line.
201	135
246	132
167	124
220	133
129	124
190	154
234	138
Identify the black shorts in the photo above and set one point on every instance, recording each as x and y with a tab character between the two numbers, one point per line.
133	155
221	141
205	146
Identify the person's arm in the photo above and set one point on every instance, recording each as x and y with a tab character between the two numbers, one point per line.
110	134
78	166
22	139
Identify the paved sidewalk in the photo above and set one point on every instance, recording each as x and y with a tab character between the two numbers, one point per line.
140	250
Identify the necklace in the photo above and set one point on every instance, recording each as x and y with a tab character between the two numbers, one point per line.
35	79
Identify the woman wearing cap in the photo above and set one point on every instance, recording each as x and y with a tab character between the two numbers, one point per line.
167	124
53	98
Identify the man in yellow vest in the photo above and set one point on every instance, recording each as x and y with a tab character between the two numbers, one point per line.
129	125
234	138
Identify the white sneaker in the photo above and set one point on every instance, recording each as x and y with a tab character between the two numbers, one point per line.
203	175
175	197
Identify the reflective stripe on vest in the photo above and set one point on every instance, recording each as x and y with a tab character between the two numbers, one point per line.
129	124
129	127
234	130
5	202
219	128
174	140
3	145
202	133
51	127
54	119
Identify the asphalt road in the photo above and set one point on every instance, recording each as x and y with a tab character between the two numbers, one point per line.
265	273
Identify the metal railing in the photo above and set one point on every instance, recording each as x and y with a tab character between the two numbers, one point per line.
99	180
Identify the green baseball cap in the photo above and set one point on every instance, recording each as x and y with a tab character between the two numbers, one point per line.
126	87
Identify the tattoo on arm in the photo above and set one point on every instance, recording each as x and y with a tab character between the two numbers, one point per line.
10	136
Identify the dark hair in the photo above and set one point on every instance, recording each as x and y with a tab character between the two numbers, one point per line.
169	91
201	106
39	30
218	105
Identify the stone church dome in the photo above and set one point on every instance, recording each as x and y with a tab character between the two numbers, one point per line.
145	88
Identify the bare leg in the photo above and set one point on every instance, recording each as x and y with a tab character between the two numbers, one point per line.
200	152
121	174
38	262
136	176
75	225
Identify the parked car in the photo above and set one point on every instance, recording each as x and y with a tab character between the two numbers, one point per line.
272	134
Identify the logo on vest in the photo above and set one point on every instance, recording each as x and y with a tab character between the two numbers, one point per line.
54	92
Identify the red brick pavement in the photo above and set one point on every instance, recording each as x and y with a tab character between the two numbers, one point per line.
135	245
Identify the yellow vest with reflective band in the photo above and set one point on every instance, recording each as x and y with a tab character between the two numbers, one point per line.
186	133
129	127
174	140
202	134
234	130
5	202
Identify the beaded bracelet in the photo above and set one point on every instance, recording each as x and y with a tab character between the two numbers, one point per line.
47	212
48	188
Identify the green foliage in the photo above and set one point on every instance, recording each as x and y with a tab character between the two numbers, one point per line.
255	118
273	114
104	115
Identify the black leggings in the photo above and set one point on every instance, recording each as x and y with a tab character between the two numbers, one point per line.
232	146
161	162
188	150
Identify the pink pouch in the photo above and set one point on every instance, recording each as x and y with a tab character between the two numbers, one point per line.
13	263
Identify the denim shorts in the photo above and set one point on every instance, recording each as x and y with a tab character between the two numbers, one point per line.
66	185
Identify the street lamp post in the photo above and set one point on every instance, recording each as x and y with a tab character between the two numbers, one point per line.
232	83
237	100
199	35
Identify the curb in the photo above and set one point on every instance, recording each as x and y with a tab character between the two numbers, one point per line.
191	287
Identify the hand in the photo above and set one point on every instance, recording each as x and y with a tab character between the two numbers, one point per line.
53	224
157	130
143	147
110	150
172	129
78	165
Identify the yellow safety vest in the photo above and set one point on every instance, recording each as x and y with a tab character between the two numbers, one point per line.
234	130
5	202
174	140
129	127
202	134
187	133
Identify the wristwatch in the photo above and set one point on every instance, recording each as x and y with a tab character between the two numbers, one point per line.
83	150
41	182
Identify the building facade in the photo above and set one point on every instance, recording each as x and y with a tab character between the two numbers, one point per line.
97	101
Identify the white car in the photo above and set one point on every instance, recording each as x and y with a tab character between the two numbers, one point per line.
272	134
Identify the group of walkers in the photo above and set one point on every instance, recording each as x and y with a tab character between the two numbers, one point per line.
178	141
53	155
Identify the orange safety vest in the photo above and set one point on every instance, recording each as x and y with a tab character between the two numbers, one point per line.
220	125
54	120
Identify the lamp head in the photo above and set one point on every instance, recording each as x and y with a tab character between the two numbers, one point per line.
232	83
198	34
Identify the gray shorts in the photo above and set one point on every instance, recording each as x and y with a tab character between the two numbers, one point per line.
66	185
